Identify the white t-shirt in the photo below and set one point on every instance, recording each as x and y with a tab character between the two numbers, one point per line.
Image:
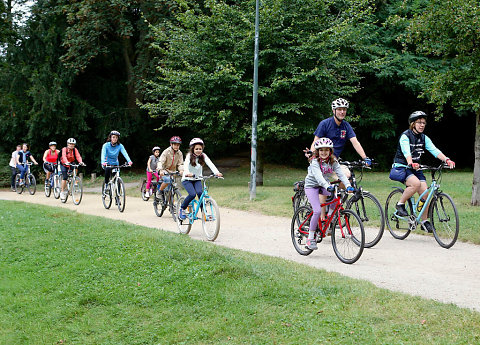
13	160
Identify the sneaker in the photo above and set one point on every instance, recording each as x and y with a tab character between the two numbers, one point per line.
182	215
401	210
63	195
312	244
148	194
427	226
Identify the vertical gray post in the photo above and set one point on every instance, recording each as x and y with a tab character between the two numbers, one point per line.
253	169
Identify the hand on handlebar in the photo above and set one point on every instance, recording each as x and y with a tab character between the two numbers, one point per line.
350	189
450	163
330	188
130	163
415	166
219	175
367	161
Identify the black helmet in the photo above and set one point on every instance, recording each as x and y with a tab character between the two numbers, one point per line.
416	115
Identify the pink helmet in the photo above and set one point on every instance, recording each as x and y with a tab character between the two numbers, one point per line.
175	140
323	142
196	141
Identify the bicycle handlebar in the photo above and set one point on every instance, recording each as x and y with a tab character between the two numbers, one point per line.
357	164
425	167
125	165
208	177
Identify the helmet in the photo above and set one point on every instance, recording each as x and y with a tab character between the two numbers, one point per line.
323	142
175	140
117	133
156	148
196	141
339	103
52	143
71	141
416	115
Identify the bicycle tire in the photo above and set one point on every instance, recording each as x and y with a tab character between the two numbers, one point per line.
77	191
106	197
210	219
399	227
18	188
32	184
440	216
300	199
174	198
56	186
299	230
368	208
120	197
184	226
159	204
67	193
143	191
48	187
348	237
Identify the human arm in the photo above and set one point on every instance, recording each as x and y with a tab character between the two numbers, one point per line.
45	155
63	158
212	166
103	157
33	159
437	153
78	157
162	162
186	170
358	147
148	164
125	154
341	175
180	162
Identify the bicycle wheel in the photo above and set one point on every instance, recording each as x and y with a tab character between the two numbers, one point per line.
143	191
211	219
444	217
68	191
107	196
368	208
300	228
159	204
120	194
56	186
18	187
31	184
348	237
398	226
174	198
48	187
77	190
184	226
300	200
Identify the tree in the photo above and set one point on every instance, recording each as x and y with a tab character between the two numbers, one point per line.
449	31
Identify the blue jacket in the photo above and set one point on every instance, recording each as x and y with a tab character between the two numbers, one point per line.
110	153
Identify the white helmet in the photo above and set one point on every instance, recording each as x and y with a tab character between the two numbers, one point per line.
196	141
339	103
323	142
155	149
71	141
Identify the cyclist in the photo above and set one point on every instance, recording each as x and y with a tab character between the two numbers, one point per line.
317	185
68	155
13	166
110	151
171	160
412	144
22	157
191	181
152	168
339	130
50	158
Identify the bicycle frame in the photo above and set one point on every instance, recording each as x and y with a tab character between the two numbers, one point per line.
115	175
197	204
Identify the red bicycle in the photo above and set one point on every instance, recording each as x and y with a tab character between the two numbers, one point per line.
344	226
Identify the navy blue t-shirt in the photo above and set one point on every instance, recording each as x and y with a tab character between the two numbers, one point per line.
24	156
338	134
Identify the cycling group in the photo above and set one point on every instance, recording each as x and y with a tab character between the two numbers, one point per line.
330	183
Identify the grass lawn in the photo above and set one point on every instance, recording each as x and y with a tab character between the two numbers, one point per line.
67	278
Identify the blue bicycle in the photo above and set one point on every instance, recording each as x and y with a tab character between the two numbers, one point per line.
210	213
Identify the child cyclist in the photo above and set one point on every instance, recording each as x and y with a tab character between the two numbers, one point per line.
152	168
191	181
50	159
412	144
317	185
171	160
110	151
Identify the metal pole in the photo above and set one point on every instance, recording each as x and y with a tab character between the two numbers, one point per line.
253	169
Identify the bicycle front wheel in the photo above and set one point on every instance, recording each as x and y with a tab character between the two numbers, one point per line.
368	208
31	184
143	191
398	226
299	230
107	196
159	205
18	187
48	188
348	237
77	191
56	186
211	219
174	198
444	217
184	226
120	194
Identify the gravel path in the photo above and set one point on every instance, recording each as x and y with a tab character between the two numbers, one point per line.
416	266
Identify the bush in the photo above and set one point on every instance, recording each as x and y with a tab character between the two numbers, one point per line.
4	170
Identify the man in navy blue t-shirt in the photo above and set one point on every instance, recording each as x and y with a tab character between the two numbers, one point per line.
339	131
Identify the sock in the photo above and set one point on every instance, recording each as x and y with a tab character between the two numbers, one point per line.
311	235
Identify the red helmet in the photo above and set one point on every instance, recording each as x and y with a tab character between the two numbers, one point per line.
175	140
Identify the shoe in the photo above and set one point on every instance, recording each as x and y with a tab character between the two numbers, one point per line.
312	244
63	195
401	210
427	226
106	189
148	194
182	215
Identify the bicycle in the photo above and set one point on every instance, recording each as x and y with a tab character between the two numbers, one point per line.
143	189
345	226
365	205
57	182
299	198
441	211
29	181
169	198
74	185
116	184
210	213
49	183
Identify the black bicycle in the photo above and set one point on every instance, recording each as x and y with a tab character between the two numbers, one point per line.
29	181
168	198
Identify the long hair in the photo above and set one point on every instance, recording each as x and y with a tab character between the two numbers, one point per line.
109	139
201	158
331	159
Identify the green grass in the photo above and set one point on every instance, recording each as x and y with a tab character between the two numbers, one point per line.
76	279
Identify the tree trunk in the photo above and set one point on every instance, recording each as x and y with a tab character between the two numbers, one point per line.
260	162
127	51
476	168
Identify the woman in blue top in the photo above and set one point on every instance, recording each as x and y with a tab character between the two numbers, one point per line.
110	151
22	159
411	146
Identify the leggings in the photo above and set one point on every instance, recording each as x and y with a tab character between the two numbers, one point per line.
193	188
149	178
312	195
